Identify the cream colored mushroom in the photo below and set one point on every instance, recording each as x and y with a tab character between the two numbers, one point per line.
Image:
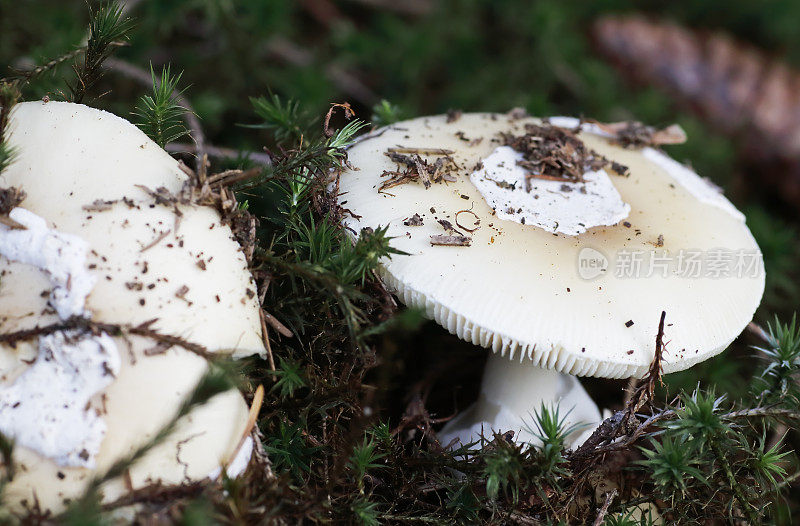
98	246
563	276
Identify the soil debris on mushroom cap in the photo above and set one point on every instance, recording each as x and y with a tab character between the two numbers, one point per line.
414	220
447	225
470	142
507	292
553	153
10	198
453	115
417	168
453	237
476	221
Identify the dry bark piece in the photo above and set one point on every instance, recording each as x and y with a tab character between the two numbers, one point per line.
418	168
452	241
634	134
447	225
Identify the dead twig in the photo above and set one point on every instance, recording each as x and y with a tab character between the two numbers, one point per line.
252	417
265	339
231	177
156	241
601	515
646	390
143	329
278	326
420	151
220	152
625	422
758	331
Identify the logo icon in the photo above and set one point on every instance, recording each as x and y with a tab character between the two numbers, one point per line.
592	263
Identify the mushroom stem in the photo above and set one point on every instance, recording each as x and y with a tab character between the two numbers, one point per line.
511	394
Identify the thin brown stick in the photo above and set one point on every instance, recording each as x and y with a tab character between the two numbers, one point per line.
219	152
629	390
452	241
420	151
143	329
252	417
230	177
278	326
265	338
175	341
156	241
757	330
601	515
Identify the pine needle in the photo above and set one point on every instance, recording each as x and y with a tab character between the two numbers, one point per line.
160	115
108	29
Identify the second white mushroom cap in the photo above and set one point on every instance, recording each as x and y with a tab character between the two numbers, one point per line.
583	304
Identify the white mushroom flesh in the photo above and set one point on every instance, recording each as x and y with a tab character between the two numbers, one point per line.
556	206
48	407
62	257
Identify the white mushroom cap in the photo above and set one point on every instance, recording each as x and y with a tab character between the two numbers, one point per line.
140	402
195	283
141	262
518	289
68	157
81	151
